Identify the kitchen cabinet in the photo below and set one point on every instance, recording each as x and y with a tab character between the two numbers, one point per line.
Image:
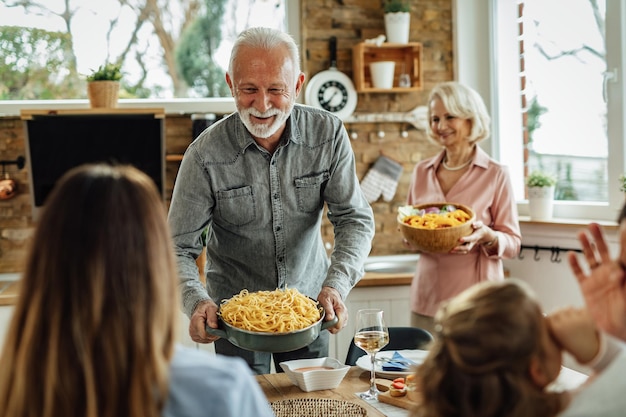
183	335
5	318
387	291
392	299
408	60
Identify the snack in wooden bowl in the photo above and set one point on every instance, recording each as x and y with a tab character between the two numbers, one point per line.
435	227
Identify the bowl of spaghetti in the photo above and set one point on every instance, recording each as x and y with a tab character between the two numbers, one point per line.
282	320
435	227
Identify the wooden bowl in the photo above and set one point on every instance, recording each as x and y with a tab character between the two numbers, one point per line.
437	240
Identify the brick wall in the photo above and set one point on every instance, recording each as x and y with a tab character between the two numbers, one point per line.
351	21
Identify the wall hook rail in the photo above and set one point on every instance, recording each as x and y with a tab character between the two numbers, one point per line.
555	252
20	162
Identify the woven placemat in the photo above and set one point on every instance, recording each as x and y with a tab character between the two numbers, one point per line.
317	407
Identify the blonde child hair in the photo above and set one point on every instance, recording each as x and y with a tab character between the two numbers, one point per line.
480	363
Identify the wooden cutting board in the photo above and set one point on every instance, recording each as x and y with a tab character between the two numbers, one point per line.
385	397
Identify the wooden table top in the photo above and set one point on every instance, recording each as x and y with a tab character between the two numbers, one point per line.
278	387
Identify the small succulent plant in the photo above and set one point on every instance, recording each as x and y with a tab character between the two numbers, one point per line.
395	6
540	179
106	72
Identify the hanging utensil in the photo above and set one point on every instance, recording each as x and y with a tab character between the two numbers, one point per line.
8	186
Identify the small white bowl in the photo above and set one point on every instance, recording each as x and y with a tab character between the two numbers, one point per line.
315	374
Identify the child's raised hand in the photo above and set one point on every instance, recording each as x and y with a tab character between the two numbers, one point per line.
604	285
574	330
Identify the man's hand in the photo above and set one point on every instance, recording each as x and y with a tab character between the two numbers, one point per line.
205	313
332	303
603	287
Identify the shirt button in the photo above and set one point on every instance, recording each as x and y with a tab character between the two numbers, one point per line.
278	229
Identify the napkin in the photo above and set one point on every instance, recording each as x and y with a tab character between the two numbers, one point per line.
401	363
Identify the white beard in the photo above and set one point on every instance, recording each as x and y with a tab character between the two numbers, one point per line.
261	130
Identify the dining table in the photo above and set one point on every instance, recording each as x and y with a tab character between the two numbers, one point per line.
278	387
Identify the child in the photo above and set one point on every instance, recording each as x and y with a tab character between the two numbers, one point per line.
496	354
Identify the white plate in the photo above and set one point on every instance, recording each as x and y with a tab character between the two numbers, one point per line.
416	356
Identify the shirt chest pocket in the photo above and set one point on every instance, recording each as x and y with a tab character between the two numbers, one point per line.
309	192
237	206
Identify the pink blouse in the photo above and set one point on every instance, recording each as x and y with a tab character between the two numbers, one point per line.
486	187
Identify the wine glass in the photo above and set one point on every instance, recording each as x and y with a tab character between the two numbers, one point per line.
371	336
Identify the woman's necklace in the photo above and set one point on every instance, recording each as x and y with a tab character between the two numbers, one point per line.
449	168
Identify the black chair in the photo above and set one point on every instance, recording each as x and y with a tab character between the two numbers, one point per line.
400	338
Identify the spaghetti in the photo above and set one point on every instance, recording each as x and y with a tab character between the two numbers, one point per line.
277	311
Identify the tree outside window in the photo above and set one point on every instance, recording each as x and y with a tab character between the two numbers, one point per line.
563	63
167	48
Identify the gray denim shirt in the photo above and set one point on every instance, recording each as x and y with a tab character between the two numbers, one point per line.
264	211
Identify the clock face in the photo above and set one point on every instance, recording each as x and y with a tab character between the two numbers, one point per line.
332	96
332	91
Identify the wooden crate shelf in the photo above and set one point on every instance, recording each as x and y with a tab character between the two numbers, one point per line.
408	59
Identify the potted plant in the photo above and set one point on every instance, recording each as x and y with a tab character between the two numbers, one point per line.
395	6
540	194
397	20
622	183
103	85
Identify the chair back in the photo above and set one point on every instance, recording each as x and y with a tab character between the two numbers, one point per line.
400	338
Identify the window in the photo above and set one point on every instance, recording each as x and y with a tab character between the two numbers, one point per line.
563	65
169	49
584	145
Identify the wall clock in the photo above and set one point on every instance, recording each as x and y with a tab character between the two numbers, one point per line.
332	90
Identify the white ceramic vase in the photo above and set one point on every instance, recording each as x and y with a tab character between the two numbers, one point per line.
397	27
541	202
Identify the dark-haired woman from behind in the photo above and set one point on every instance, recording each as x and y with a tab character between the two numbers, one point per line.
93	330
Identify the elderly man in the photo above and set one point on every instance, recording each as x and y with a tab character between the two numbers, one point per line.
258	180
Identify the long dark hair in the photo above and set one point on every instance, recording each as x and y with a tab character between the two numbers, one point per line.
94	325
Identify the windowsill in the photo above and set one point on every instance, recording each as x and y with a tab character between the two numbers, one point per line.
222	105
563	222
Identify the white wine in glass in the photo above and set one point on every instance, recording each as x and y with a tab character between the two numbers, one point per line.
371	336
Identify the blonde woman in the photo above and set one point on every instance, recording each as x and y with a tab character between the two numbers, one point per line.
462	173
93	330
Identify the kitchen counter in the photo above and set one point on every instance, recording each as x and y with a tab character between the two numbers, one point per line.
380	279
8	292
9	288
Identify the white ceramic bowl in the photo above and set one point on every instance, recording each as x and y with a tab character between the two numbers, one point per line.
315	374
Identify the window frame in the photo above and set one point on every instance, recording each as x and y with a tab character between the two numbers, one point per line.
485	22
218	105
